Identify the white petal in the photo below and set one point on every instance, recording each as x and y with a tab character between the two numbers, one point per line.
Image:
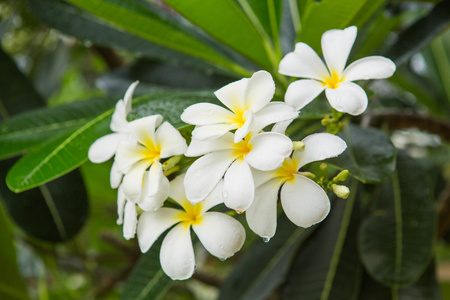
262	214
259	91
128	96
348	98
302	92
170	141
281	127
371	67
220	234
132	181
143	129
304	202
119	121
273	112
238	187
206	114
128	153
215	198
269	149
209	132
177	191
129	221
121	200
232	94
205	173
177	254
261	177
319	146
155	188
115	177
336	47
199	147
104	148
244	129
303	62
153	223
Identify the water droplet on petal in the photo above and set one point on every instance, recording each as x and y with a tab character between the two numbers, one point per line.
225	194
266	240
222	259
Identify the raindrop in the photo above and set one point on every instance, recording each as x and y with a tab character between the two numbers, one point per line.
222	258
225	194
266	240
239	212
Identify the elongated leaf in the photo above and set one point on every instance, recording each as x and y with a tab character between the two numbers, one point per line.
70	151
418	35
226	22
265	265
268	13
370	155
320	16
139	21
24	131
396	241
327	265
147	281
12	285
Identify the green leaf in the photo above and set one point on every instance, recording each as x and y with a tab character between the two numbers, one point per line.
54	212
265	265
370	155
147	280
225	21
268	13
68	152
420	34
12	285
24	131
396	241
327	265
16	92
320	16
138	20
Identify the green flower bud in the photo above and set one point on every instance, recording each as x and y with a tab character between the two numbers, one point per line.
340	190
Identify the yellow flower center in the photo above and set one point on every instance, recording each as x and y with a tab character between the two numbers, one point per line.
192	214
151	151
238	117
333	81
242	148
287	170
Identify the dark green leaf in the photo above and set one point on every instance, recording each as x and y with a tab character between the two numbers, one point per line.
12	285
147	281
396	240
419	34
327	265
370	155
24	131
265	265
268	13
54	212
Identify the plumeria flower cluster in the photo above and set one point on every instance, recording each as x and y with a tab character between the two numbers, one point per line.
240	165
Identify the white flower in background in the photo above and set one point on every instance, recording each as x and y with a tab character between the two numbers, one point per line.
139	159
219	233
304	202
223	158
249	106
342	94
105	147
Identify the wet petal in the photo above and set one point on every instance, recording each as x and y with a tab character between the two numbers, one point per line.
170	141
129	220
348	98
215	198
302	92
177	254
371	67
273	112
262	214
259	91
121	200
206	114
281	127
143	129
304	202
220	234
232	94
128	153
115	177
269	149
177	191
210	132
200	147
132	181
119	121
205	173
129	96
303	62
319	146
244	129
238	187
336	47
153	223
104	148
155	188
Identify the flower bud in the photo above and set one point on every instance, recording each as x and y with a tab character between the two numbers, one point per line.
340	190
299	146
342	176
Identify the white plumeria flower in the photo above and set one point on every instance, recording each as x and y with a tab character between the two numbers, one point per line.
342	94
304	202
219	233
223	158
105	147
148	188
249	106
